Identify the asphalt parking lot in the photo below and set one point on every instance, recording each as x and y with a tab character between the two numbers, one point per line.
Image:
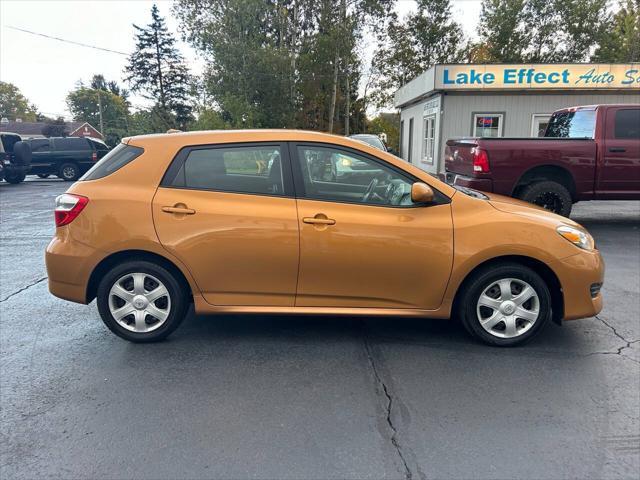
294	397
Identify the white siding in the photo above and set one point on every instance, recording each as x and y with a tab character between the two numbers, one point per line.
518	109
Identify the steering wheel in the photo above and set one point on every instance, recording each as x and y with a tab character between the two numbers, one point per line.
372	186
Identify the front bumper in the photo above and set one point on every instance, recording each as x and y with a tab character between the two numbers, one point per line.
482	184
578	274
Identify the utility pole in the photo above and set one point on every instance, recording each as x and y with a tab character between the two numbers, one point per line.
100	113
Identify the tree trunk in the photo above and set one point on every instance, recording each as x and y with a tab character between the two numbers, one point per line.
332	110
163	101
347	107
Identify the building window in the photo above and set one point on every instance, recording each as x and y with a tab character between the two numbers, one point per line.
428	138
539	124
487	124
410	140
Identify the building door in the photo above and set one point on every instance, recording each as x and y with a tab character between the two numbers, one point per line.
410	147
539	124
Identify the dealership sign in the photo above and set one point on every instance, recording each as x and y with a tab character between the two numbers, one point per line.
551	76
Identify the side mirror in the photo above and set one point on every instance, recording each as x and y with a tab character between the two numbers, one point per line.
421	193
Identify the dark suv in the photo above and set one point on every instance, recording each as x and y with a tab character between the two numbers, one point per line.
15	157
66	157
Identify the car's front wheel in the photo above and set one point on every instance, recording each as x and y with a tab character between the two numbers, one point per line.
141	301
505	305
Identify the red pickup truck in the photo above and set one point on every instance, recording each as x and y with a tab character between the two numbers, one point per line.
587	153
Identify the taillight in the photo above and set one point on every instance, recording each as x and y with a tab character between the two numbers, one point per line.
480	160
68	207
94	156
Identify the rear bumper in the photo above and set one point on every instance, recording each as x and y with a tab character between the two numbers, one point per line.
482	184
69	266
578	274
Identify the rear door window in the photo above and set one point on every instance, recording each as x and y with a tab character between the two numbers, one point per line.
71	144
39	145
113	161
251	169
627	124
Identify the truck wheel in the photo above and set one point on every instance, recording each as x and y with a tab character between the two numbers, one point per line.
43	175
15	177
550	195
69	172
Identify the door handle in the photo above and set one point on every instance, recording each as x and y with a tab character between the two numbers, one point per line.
317	220
179	210
617	150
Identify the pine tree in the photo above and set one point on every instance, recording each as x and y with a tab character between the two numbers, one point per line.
158	70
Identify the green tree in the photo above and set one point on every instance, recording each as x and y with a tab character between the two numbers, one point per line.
389	124
14	105
621	43
539	31
55	128
281	63
84	104
98	82
158	71
425	37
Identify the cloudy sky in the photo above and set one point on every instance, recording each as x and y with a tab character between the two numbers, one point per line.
45	69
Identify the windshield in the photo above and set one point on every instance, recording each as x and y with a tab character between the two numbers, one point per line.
576	124
371	140
471	192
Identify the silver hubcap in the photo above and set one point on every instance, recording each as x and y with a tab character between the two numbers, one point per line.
139	302
507	308
68	172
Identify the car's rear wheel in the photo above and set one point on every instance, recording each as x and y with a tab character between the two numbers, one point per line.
141	301
69	172
43	175
506	305
550	195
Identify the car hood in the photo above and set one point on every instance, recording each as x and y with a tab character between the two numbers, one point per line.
519	207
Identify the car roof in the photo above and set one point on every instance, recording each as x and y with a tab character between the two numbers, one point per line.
176	141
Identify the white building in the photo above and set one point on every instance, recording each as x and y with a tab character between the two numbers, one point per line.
469	100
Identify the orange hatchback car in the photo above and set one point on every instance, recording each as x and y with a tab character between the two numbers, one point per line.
277	221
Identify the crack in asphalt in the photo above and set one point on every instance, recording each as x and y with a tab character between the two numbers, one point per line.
40	280
389	400
619	351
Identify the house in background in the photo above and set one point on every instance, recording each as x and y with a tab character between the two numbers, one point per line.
34	129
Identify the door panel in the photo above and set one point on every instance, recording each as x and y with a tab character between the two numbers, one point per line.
374	256
241	249
619	171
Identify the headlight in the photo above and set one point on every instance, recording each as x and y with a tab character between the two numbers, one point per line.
578	237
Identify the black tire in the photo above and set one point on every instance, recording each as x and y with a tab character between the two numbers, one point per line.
15	178
177	292
69	172
549	194
483	279
43	175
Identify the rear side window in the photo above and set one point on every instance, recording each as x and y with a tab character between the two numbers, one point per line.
113	161
71	144
574	124
255	170
39	145
627	124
